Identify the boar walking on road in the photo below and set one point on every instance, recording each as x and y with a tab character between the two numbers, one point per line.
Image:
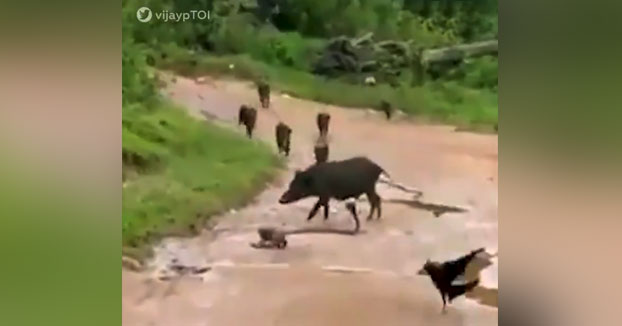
283	136
323	120
247	116
264	94
340	180
387	109
320	150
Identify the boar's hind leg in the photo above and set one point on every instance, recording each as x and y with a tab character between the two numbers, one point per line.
351	206
325	204
374	201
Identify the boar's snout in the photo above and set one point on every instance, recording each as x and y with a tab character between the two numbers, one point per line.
286	198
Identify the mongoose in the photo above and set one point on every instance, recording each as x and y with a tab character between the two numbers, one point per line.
272	237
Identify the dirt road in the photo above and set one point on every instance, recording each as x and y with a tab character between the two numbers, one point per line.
299	286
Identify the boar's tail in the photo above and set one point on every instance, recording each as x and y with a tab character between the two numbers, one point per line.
390	182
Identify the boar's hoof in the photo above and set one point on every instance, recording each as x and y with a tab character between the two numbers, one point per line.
282	245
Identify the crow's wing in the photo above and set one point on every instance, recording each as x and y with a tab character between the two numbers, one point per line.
454	268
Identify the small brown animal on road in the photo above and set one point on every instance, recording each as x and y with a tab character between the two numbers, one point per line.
271	237
248	117
386	108
323	120
321	150
283	137
263	89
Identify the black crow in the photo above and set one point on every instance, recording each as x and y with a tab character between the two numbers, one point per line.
444	274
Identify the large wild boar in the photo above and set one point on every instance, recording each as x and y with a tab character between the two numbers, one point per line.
248	117
339	180
263	89
283	136
322	123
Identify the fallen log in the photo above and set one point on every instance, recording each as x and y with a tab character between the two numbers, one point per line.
459	52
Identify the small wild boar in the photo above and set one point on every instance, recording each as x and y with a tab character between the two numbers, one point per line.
283	136
248	117
321	150
264	94
339	180
386	108
322	123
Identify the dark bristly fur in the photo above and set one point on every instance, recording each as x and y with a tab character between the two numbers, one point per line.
443	274
336	179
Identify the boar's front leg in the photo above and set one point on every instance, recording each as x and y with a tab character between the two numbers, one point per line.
374	201
314	209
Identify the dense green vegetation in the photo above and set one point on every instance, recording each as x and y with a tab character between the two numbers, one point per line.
281	40
446	101
177	170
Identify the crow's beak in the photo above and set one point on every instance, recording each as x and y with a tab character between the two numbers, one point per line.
422	272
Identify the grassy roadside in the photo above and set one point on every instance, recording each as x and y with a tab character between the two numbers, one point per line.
443	102
178	171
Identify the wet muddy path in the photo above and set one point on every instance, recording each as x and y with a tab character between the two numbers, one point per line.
322	279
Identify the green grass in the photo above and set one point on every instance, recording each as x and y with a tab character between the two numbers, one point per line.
443	102
179	171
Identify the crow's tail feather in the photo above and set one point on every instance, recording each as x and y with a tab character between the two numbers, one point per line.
457	267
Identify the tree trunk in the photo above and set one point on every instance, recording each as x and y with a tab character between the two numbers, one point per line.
459	52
